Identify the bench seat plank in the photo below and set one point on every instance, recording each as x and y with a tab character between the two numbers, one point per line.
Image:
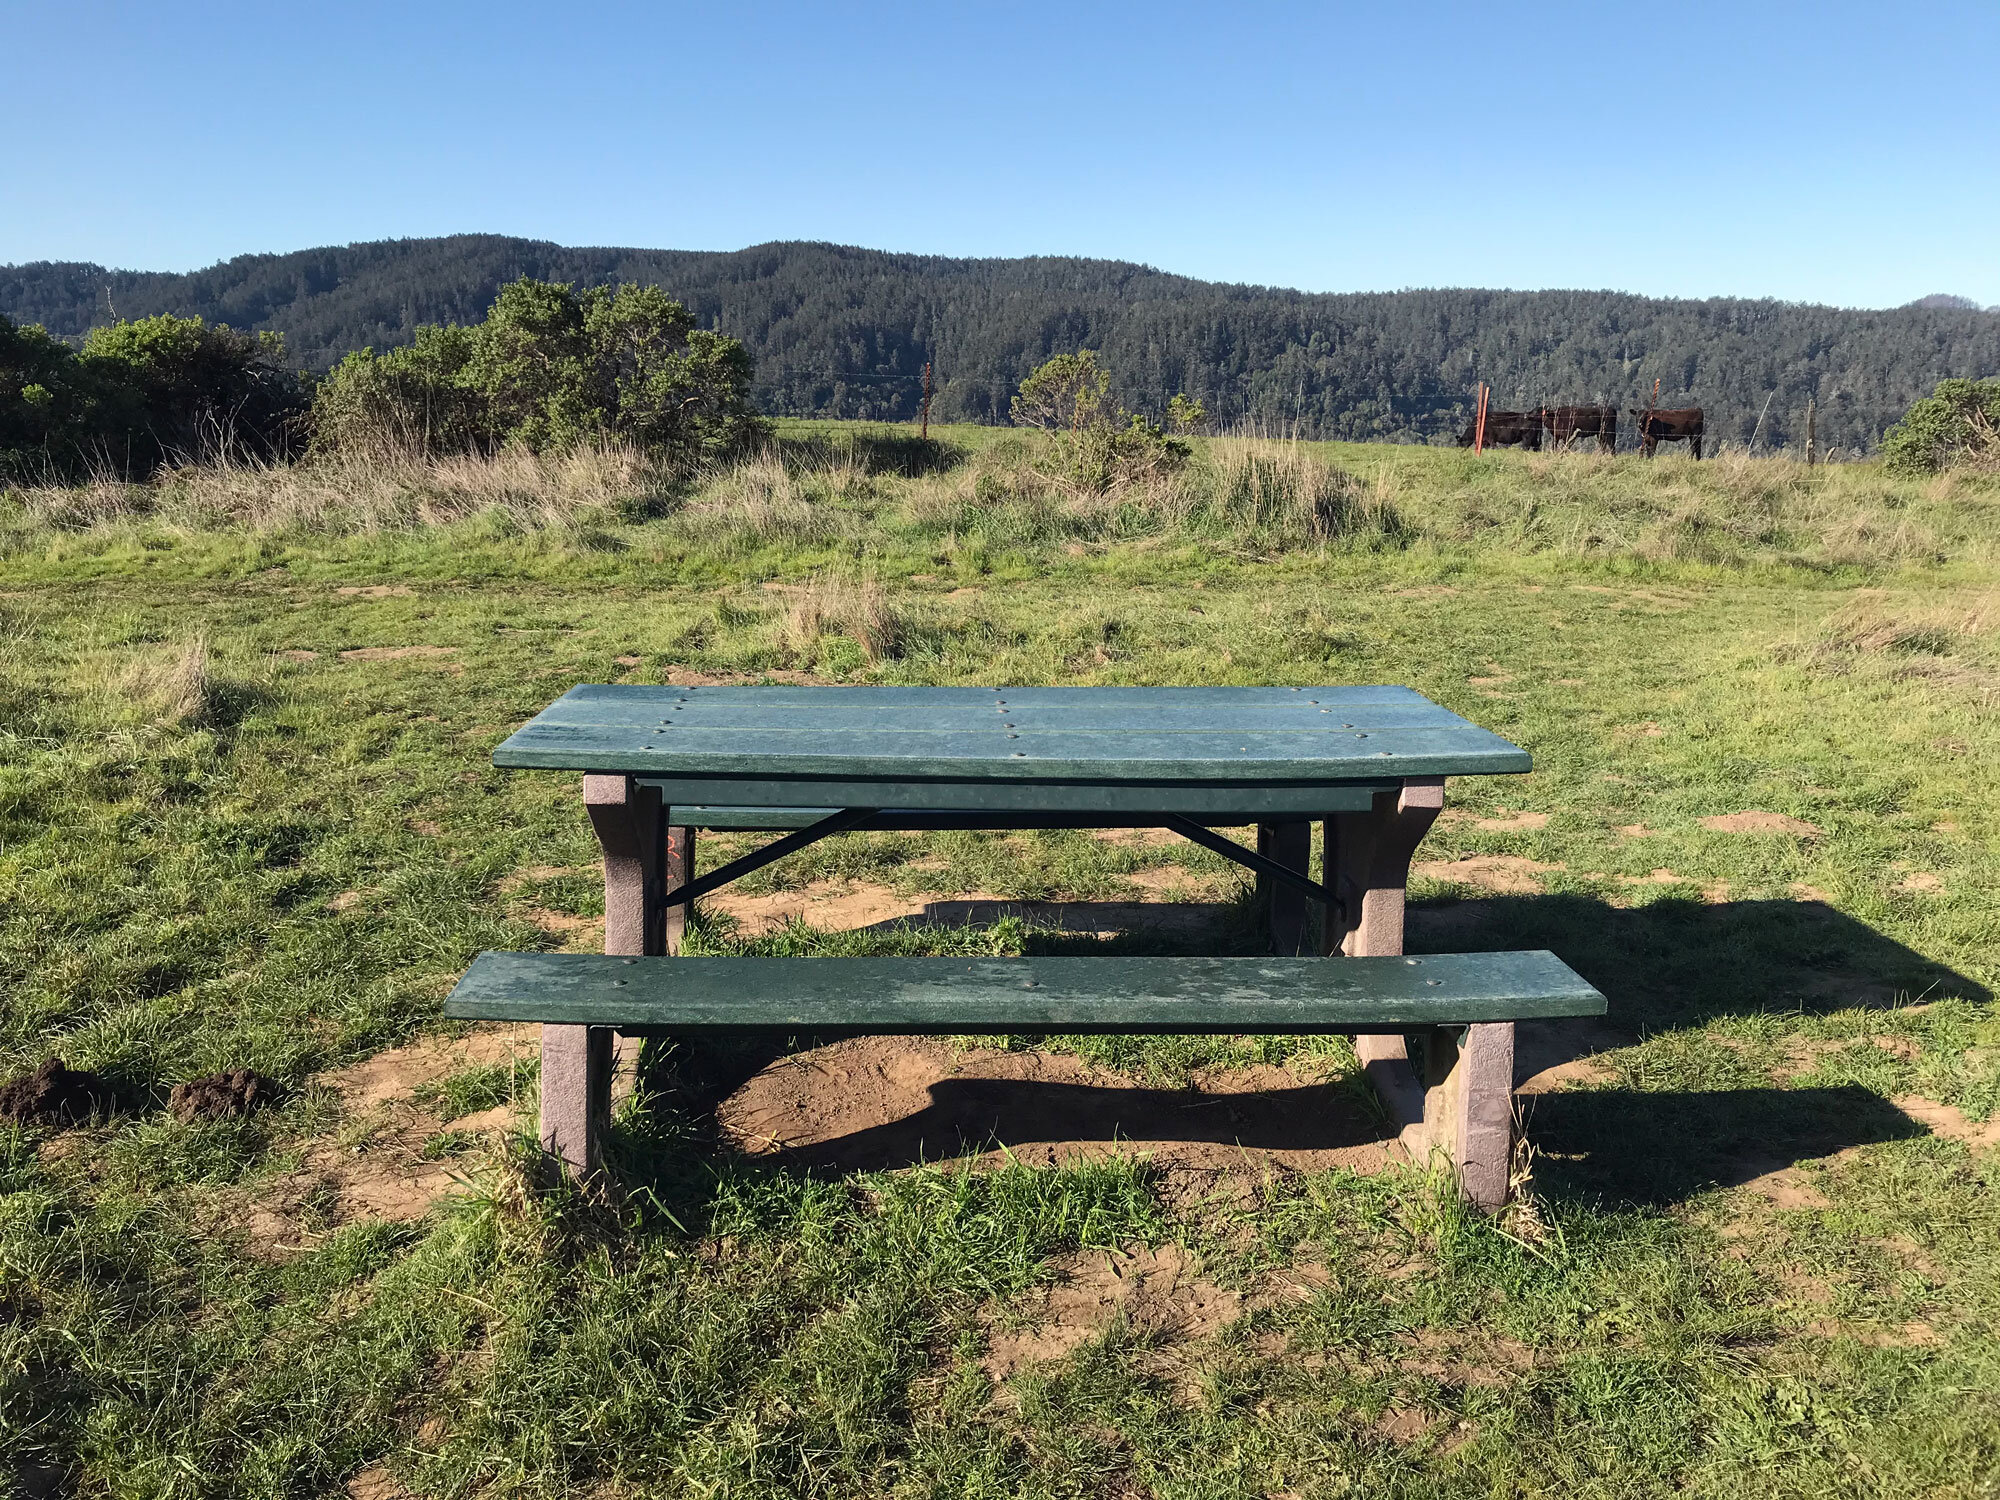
1003	995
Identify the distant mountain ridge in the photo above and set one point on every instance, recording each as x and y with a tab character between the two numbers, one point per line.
840	331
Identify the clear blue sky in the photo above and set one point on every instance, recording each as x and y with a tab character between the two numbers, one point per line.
1834	152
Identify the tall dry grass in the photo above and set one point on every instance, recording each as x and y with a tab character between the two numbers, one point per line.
345	495
1251	491
840	604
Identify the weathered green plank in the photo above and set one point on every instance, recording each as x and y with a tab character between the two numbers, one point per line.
1015	755
978	697
958	995
1243	736
1306	716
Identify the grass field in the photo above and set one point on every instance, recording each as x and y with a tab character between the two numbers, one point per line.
247	818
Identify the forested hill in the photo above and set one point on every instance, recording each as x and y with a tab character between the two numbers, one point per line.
845	332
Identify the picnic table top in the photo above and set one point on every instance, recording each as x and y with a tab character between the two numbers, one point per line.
930	746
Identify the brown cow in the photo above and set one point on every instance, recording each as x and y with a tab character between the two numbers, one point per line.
1506	428
1655	428
1565	424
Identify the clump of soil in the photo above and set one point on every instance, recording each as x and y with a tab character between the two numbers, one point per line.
1157	1291
220	1096
55	1095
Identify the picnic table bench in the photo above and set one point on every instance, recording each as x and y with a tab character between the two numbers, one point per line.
1367	763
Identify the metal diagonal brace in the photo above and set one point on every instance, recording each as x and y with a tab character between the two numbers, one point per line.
777	849
1208	838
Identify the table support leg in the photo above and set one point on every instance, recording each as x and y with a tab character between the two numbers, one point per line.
1289	844
676	870
580	1063
1464	1106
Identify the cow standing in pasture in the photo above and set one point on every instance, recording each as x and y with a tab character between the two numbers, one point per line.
1659	427
1565	424
1506	428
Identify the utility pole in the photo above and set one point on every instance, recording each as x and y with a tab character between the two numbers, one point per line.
927	399
1812	431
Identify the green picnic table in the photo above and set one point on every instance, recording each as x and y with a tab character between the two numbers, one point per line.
1366	763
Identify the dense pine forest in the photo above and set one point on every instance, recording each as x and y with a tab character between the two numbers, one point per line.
836	331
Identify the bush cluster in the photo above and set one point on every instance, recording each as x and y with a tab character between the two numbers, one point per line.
1957	426
142	393
549	368
1093	442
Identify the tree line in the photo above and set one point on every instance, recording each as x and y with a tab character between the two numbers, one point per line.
840	332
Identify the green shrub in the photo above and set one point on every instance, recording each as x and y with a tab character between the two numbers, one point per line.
143	393
552	369
1093	442
1956	426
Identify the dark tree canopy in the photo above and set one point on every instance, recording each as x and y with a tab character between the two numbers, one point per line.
844	332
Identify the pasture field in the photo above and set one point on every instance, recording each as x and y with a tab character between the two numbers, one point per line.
247	819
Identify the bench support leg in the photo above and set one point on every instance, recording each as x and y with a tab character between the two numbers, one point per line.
1289	844
676	870
581	1063
1469	1106
1468	1093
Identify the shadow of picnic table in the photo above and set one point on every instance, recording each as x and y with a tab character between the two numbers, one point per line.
1667	965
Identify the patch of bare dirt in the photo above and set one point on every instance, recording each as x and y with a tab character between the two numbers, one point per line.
1578	1072
1453	1358
1520	822
1637	831
1921	882
1647	729
579	934
629	661
372	1167
396	653
1157	1291
1949	1121
1803	892
299	653
1403	1424
1175	882
55	1094
1752	821
837	905
514	880
376	1483
872	1103
831	905
220	1096
1550	1056
687	677
1786	1187
1137	838
377	591
1505	874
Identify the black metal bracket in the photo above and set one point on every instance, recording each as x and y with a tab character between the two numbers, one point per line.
842	821
1229	849
850	818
